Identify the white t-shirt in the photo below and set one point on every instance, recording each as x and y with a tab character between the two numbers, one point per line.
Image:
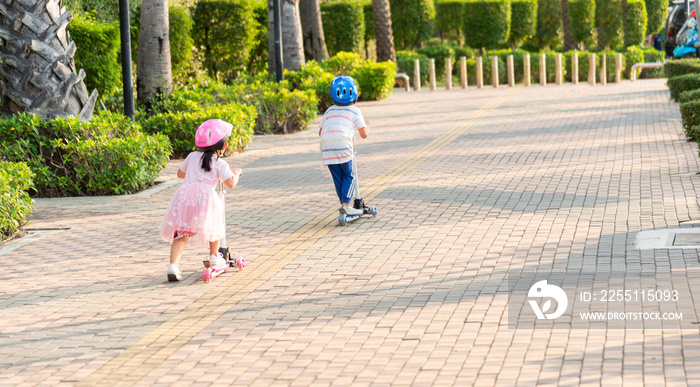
192	166
338	127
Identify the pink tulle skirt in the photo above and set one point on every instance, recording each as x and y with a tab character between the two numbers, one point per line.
195	209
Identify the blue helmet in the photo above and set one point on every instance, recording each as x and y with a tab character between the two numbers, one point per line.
343	90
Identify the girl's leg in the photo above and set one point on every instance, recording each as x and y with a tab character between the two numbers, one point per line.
214	248
177	248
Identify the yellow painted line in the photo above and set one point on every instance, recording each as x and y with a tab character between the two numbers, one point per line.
156	346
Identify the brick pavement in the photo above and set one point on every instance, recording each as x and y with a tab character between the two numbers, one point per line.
473	189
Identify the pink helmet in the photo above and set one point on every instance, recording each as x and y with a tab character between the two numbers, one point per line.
211	132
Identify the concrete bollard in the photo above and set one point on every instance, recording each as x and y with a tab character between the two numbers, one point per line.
591	69
448	73
526	70
463	71
618	68
559	75
543	70
416	75
494	71
574	68
603	70
431	74
479	73
511	71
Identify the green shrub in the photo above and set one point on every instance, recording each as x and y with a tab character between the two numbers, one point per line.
405	62
610	65
689	95
180	126
690	117
375	80
448	18
682	83
181	43
656	13
523	21
369	20
342	63
343	26
582	20
462	52
313	77
583	64
107	155
15	203
549	24
225	31
635	23
412	22
674	68
550	65
285	111
438	52
259	54
608	19
98	46
486	23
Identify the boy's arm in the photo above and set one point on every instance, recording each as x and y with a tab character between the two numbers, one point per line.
364	131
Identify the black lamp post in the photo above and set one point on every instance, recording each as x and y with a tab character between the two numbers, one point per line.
125	32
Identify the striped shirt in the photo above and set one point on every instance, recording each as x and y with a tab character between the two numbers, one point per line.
338	127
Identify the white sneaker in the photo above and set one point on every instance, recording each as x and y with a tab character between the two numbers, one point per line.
217	261
352	211
174	273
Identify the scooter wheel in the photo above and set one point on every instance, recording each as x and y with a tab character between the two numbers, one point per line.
207	274
343	219
240	263
373	210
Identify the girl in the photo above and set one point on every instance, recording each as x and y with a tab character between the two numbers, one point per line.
196	212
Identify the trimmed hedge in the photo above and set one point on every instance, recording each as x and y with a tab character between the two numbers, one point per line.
405	61
689	95
15	203
635	23
638	54
656	14
448	18
608	19
98	47
369	21
225	31
107	155
674	68
343	63
439	52
582	20
690	117
181	42
343	26
412	22
375	80
549	23
523	22
486	23
312	77
682	83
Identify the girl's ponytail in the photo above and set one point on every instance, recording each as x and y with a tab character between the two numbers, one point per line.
209	153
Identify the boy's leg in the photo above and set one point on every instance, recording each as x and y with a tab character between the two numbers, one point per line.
338	176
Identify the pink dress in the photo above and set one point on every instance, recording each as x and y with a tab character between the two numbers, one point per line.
196	208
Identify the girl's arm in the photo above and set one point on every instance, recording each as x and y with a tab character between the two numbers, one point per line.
233	181
180	174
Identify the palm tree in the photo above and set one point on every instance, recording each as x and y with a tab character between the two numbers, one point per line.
382	30
153	68
292	42
569	42
312	31
37	71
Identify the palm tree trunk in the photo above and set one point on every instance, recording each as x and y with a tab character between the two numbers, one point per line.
292	43
153	68
569	42
37	71
312	31
382	30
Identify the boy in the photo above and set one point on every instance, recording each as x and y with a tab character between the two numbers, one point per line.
337	130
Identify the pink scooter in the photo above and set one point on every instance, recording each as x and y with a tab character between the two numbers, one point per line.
210	272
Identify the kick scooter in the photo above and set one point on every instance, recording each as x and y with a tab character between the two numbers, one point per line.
358	203
210	272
